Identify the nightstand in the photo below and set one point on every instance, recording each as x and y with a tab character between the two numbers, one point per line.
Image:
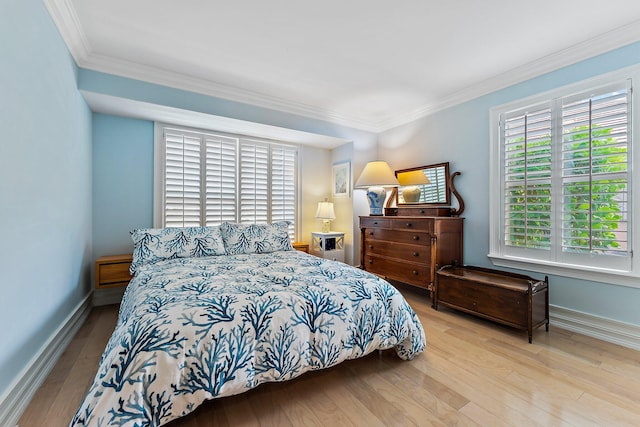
302	247
328	245
113	271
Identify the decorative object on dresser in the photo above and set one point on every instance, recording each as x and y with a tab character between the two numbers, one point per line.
410	248
325	213
508	298
375	176
328	245
113	271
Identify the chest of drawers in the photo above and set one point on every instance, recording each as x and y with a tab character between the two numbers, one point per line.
410	249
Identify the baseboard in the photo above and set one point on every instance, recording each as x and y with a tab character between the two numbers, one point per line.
19	394
613	331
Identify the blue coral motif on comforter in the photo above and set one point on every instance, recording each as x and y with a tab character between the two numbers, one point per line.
193	329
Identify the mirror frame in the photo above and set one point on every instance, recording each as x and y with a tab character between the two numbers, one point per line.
447	202
451	190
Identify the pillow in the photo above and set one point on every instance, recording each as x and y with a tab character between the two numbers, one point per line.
155	244
256	238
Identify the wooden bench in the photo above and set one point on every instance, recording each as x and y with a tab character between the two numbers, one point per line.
511	299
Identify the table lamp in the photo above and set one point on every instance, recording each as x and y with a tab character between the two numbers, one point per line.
326	214
375	176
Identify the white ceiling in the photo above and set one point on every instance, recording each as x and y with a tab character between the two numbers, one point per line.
369	64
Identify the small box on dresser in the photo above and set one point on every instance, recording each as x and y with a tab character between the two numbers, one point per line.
508	298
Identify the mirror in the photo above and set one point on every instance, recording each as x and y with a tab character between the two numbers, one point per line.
424	185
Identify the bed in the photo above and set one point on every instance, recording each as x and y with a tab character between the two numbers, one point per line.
216	311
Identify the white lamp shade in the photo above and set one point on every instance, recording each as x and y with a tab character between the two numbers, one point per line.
377	174
325	211
416	177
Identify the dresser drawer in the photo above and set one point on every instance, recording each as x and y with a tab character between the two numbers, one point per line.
414	253
403	271
375	222
398	236
420	224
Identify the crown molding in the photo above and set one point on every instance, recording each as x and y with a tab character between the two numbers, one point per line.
66	19
128	69
64	16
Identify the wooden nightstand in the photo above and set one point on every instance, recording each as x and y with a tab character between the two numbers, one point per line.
113	271
299	246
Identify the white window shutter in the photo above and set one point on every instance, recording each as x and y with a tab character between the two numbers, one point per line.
527	178
221	181
254	182
182	180
595	171
283	185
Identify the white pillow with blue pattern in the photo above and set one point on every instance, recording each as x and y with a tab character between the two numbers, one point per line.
256	238
156	244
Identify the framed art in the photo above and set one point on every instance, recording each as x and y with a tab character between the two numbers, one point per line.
341	179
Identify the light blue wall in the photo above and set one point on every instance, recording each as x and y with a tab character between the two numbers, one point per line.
122	181
460	135
45	185
123	153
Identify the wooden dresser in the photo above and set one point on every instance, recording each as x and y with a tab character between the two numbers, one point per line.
410	249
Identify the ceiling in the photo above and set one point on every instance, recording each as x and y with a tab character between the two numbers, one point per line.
369	64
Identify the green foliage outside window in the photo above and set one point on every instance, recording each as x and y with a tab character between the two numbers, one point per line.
591	206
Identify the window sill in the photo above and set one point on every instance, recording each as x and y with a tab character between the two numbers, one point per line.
613	277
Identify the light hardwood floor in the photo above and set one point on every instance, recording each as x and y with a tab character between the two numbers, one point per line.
473	372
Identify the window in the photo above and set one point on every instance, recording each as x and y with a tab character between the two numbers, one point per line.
206	178
562	186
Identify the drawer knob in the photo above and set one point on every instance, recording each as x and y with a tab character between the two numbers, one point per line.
370	246
416	254
415	272
370	261
416	237
421	211
375	222
408	224
371	233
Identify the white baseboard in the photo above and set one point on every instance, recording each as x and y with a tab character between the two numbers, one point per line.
19	394
613	331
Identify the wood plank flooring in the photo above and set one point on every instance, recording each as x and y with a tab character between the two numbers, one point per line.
473	373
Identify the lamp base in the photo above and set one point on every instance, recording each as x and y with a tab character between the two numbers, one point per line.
376	197
326	226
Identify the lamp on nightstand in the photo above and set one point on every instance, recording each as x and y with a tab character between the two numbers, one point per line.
326	214
375	176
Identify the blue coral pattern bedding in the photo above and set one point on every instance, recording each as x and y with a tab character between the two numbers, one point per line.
193	329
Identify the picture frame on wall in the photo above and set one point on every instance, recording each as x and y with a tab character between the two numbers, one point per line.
341	179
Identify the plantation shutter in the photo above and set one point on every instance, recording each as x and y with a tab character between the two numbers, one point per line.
221	165
595	171
527	177
283	188
254	182
212	178
182	179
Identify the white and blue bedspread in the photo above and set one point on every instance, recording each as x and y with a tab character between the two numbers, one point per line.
193	329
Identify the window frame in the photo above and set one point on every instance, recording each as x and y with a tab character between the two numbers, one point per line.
160	162
522	259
